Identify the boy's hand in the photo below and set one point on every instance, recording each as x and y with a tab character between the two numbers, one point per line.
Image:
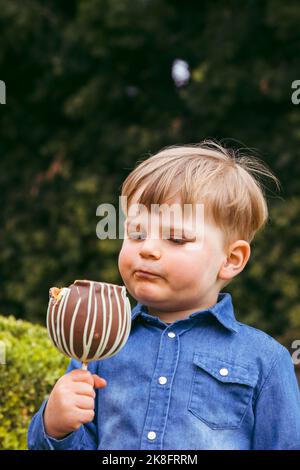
71	403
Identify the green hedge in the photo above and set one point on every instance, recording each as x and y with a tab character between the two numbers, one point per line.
32	367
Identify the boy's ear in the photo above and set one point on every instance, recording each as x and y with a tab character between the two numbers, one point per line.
238	255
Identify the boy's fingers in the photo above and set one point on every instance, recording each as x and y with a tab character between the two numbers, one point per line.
79	375
85	416
85	403
85	389
99	382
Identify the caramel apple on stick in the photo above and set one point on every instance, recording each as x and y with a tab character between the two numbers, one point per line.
89	320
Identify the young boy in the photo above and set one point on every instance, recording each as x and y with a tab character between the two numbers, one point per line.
190	375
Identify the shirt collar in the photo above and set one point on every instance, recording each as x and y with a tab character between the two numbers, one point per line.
223	311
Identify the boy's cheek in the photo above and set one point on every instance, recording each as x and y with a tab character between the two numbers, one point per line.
121	261
125	260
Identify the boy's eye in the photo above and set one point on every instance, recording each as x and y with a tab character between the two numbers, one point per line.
136	235
177	241
142	236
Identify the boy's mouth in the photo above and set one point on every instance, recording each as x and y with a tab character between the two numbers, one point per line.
145	274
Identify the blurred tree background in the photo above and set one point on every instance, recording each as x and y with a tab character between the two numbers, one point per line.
90	91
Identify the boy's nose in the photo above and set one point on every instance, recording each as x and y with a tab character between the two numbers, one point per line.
151	255
149	250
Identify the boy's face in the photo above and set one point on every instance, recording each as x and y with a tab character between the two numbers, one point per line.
184	266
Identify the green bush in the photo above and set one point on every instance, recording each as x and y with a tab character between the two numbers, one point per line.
32	367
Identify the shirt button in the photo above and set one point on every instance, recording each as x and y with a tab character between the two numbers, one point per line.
151	435
162	380
224	371
171	335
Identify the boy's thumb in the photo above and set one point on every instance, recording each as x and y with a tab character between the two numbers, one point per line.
99	382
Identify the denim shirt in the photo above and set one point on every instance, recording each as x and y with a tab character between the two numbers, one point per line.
205	382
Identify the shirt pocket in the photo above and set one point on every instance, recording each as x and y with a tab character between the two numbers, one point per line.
221	391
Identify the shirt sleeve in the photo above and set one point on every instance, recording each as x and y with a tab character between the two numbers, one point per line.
277	408
85	438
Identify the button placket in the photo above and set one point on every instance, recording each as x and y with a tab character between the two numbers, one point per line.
162	380
160	391
224	371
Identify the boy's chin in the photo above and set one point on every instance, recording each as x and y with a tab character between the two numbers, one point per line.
148	300
148	297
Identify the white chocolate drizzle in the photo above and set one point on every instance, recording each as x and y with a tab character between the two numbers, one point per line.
56	321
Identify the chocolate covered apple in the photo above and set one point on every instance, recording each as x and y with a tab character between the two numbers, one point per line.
89	320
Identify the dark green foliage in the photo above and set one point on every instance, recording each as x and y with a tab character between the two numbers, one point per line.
90	92
32	367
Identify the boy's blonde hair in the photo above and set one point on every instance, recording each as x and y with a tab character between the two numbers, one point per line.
225	181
